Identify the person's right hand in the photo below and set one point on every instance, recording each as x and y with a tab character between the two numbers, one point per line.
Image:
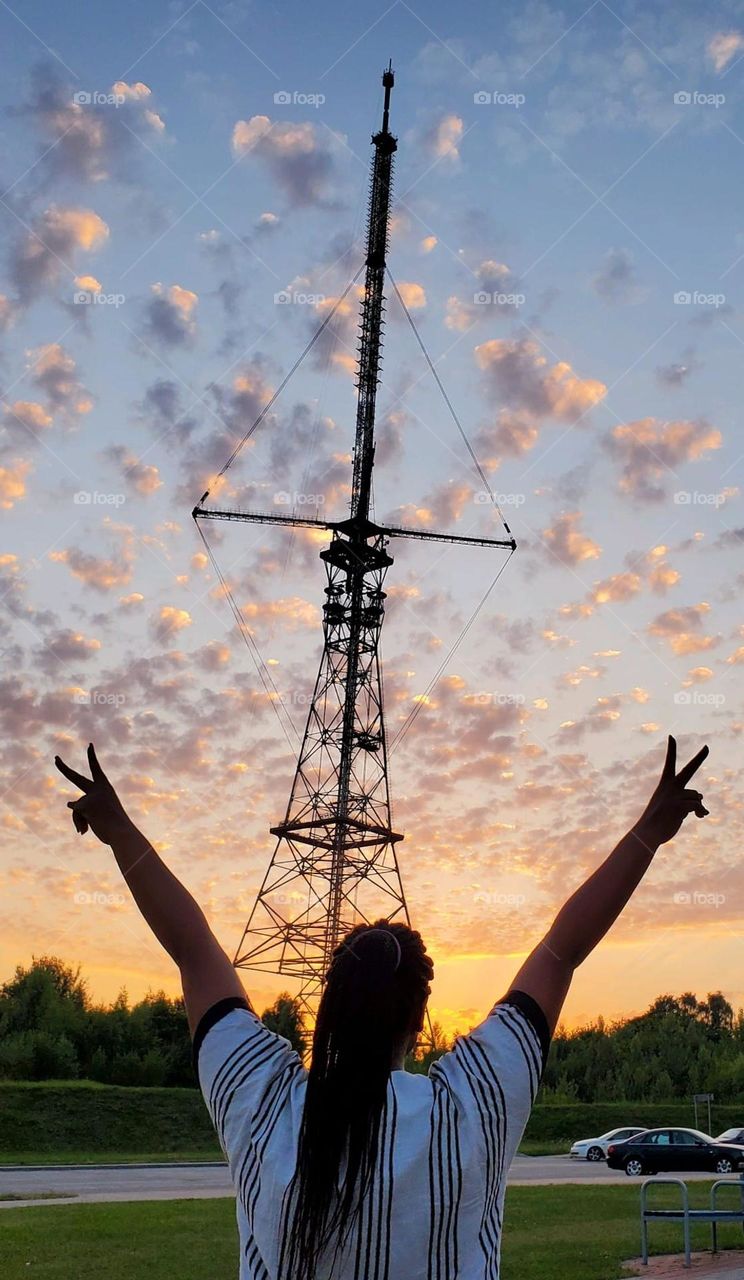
672	801
99	807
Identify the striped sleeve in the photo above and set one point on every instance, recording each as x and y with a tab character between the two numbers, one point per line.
499	1064
238	1061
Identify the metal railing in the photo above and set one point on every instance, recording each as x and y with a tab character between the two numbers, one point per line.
684	1214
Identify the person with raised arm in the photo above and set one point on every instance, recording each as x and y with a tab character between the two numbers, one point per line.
356	1169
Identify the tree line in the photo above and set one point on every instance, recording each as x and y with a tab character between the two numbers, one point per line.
51	1029
678	1047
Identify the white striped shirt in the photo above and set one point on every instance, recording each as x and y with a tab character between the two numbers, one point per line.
435	1206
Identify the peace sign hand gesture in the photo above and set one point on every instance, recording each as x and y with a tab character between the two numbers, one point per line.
672	801
99	807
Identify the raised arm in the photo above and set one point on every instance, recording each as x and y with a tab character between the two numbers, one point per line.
178	922
588	914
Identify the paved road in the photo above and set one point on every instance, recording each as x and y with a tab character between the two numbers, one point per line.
91	1183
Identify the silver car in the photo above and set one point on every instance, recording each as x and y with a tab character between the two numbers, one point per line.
596	1148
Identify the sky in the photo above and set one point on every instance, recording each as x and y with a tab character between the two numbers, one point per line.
184	192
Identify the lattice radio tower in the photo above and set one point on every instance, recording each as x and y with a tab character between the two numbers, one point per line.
335	860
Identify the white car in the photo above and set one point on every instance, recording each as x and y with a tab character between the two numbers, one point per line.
596	1148
732	1136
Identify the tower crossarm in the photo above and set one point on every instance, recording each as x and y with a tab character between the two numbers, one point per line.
370	529
260	517
294	829
427	535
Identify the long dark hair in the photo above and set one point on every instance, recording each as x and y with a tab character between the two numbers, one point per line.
372	1006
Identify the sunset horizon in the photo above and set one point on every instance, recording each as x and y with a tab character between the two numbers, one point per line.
177	231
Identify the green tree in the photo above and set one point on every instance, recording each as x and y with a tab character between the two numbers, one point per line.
285	1018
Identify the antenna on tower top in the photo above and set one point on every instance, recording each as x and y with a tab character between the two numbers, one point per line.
388	80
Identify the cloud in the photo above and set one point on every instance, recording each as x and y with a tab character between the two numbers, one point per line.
170	317
89	284
677	373
572	679
267	221
661	575
682	628
649	452
650	570
229	289
46	252
511	435
140	94
297	155
94	571
698	675
288	433
143	477
521	373
494	279
617	588
7	313
170	621
295	613
212	656
463	730
616	279
235	408
65	646
439	509
101	573
28	415
13	482
163	410
442	138
565	541
724	46
337	343
413	295
516	370
389	436
89	140
53	373
602	716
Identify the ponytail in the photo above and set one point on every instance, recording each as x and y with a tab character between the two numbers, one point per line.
372	1005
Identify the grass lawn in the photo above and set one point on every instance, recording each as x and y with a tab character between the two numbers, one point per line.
585	1232
563	1232
69	1119
544	1147
39	1195
110	1157
159	1240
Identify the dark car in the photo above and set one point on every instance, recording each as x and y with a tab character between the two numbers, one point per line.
674	1150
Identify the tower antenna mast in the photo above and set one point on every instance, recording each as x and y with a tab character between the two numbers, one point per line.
335	862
